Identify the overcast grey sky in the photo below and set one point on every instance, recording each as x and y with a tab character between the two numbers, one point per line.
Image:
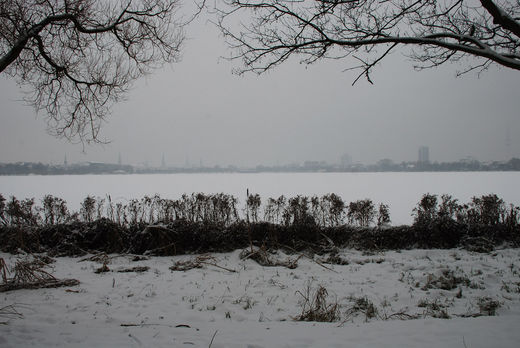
197	110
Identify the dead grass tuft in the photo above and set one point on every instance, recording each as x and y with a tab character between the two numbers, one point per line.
30	274
361	305
315	306
488	306
446	280
433	309
262	257
102	269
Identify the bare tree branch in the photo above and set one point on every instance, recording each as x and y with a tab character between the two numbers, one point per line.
78	57
501	18
265	33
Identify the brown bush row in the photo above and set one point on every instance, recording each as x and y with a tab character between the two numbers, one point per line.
220	209
211	223
181	237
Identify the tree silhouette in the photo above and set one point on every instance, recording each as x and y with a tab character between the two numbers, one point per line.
78	57
265	33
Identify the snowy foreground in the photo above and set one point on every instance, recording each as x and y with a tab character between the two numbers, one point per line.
255	306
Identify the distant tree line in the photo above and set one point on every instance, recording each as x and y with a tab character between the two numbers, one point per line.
25	168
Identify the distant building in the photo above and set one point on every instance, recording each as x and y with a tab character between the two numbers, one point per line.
346	160
385	164
424	154
314	165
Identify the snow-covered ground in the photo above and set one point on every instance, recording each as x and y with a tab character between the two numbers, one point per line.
401	191
231	302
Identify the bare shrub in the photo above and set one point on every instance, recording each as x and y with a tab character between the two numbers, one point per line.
252	207
449	208
135	212
426	211
55	210
487	210
88	208
120	214
383	215
274	209
361	212
329	210
362	305
488	306
3	219
21	213
297	211
446	280
433	309
317	307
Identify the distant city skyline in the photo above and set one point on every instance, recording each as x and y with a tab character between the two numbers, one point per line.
345	160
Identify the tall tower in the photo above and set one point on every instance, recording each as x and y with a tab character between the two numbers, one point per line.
508	144
424	154
65	163
119	159
163	162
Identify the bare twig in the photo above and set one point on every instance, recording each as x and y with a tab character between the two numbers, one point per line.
212	338
10	311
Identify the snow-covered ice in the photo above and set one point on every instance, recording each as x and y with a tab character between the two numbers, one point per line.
255	306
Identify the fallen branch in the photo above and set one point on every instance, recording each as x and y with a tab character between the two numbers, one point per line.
402	315
43	284
322	265
29	274
197	263
99	257
144	324
153	251
137	269
215	265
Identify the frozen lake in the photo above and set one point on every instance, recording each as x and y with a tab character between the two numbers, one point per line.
401	191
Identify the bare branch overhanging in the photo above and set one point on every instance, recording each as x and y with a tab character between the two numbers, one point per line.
265	33
78	57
